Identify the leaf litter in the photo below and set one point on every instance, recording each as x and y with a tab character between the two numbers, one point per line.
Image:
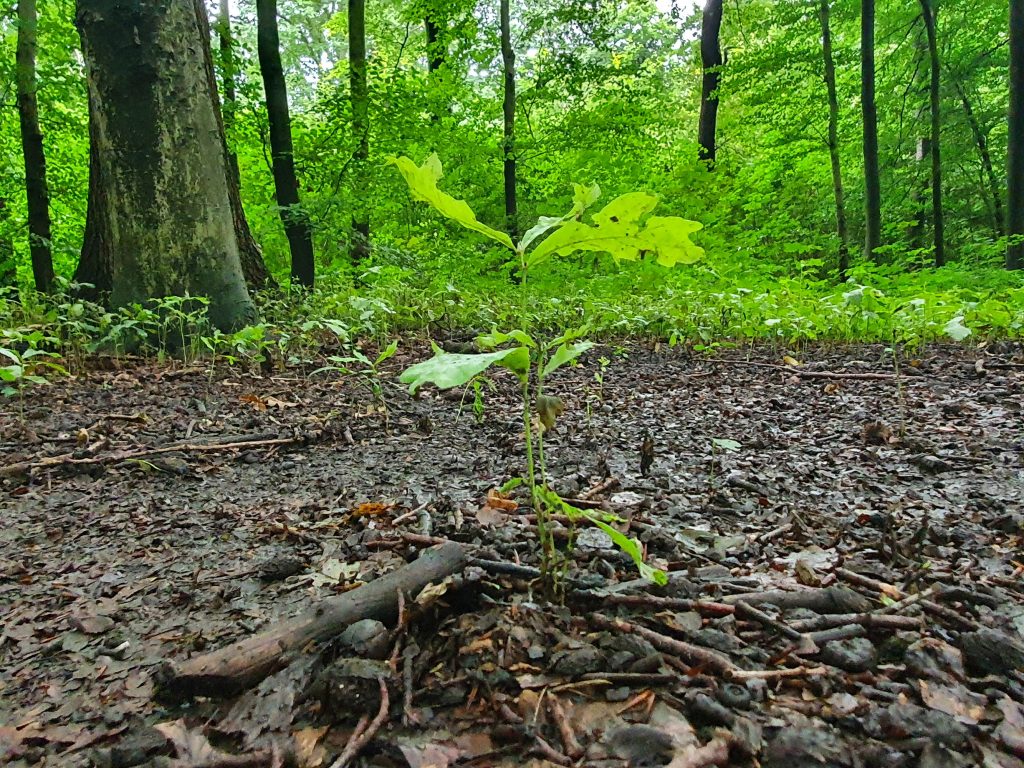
842	543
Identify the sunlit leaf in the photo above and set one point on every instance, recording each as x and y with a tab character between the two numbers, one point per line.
956	329
422	181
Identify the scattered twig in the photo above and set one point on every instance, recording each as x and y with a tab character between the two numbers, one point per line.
694	655
939	611
605	485
569	741
703	607
361	737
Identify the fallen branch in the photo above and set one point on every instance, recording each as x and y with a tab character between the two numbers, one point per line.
939	611
817	374
240	665
69	459
828	600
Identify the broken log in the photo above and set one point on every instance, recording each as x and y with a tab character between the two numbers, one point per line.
232	669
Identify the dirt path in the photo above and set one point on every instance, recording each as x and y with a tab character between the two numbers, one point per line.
763	478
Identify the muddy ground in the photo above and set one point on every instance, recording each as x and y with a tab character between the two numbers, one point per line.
765	477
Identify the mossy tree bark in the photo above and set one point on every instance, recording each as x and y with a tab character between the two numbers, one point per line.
37	191
286	185
165	212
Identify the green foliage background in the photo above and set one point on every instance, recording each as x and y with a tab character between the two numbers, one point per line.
608	94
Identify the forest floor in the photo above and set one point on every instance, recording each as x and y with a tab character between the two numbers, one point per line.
845	577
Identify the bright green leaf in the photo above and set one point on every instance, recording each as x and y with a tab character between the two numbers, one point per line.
422	181
445	370
565	354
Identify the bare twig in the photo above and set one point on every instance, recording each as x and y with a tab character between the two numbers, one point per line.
360	738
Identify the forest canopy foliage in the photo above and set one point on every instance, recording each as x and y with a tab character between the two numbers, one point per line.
607	94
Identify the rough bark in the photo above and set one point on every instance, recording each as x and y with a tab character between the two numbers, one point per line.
286	185
165	207
36	189
360	95
935	104
508	61
1015	147
833	140
243	664
872	178
711	63
980	135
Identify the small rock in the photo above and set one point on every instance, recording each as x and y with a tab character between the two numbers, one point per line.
856	654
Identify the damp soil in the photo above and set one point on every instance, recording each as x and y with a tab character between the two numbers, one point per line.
152	513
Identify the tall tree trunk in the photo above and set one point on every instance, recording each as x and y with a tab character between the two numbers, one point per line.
928	9
36	189
160	155
711	62
981	142
360	94
1015	148
833	140
286	186
872	179
508	60
253	266
920	192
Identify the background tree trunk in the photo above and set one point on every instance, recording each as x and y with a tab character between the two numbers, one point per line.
935	102
981	142
711	62
437	51
360	94
872	180
1015	149
8	265
286	186
36	189
165	205
508	60
833	140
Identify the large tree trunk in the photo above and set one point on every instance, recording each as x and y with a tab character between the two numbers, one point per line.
833	140
711	62
1015	148
360	94
981	142
935	102
96	262
508	59
286	186
36	189
166	209
872	179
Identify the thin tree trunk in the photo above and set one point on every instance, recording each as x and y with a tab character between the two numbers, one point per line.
981	142
360	94
711	62
935	100
872	179
36	189
508	60
286	186
8	265
921	188
1015	148
833	140
165	205
255	269
436	50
